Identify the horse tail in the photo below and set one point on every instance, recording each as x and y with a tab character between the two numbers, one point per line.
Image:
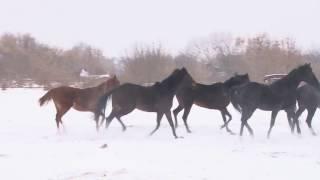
234	98
101	105
46	98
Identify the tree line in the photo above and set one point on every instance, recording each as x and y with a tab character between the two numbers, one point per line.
210	59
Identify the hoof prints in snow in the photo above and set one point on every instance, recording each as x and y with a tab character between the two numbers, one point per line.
86	175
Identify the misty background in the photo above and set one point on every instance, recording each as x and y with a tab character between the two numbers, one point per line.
142	41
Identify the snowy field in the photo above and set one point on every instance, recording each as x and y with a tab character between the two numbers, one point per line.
31	148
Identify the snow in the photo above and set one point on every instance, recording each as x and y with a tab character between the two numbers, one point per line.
31	148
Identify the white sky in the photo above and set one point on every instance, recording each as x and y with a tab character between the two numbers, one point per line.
117	25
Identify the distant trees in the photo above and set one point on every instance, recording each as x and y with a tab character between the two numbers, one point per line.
257	55
208	59
146	65
22	57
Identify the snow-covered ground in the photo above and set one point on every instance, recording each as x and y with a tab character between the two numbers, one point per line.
30	147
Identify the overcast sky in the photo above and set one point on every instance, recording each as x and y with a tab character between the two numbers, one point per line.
117	25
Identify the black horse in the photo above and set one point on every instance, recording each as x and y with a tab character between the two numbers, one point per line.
156	98
214	96
280	95
308	99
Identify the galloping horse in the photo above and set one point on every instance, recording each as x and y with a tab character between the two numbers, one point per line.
280	95
65	97
156	98
214	96
308	99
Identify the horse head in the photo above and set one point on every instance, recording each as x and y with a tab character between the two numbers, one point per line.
237	79
110	83
305	73
174	79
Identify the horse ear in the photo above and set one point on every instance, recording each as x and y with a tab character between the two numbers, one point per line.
307	64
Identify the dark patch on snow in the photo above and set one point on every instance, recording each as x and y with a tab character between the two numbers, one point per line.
3	155
276	154
103	146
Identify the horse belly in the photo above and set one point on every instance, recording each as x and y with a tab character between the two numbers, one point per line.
212	102
146	107
82	107
210	105
269	105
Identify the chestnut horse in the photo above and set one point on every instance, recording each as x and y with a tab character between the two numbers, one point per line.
65	97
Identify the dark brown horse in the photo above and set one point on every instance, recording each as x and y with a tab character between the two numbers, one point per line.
156	98
214	96
65	97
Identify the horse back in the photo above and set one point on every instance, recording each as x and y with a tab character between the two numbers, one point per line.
145	98
307	95
257	95
63	92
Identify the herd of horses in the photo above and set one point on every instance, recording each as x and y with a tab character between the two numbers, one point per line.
246	96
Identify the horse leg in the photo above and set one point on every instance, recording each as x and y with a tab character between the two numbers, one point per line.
291	115
185	117
230	118
224	112
296	122
246	114
59	114
175	113
296	118
309	119
273	119
118	113
124	128
159	117
58	117
101	121
110	118
169	118
249	128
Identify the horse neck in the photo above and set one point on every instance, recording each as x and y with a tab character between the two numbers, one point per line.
228	84
186	82
169	85
99	90
288	82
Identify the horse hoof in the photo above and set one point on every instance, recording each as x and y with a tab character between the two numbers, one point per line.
179	137
189	131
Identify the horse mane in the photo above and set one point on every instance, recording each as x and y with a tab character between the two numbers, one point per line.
168	79
187	75
229	82
226	82
291	74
